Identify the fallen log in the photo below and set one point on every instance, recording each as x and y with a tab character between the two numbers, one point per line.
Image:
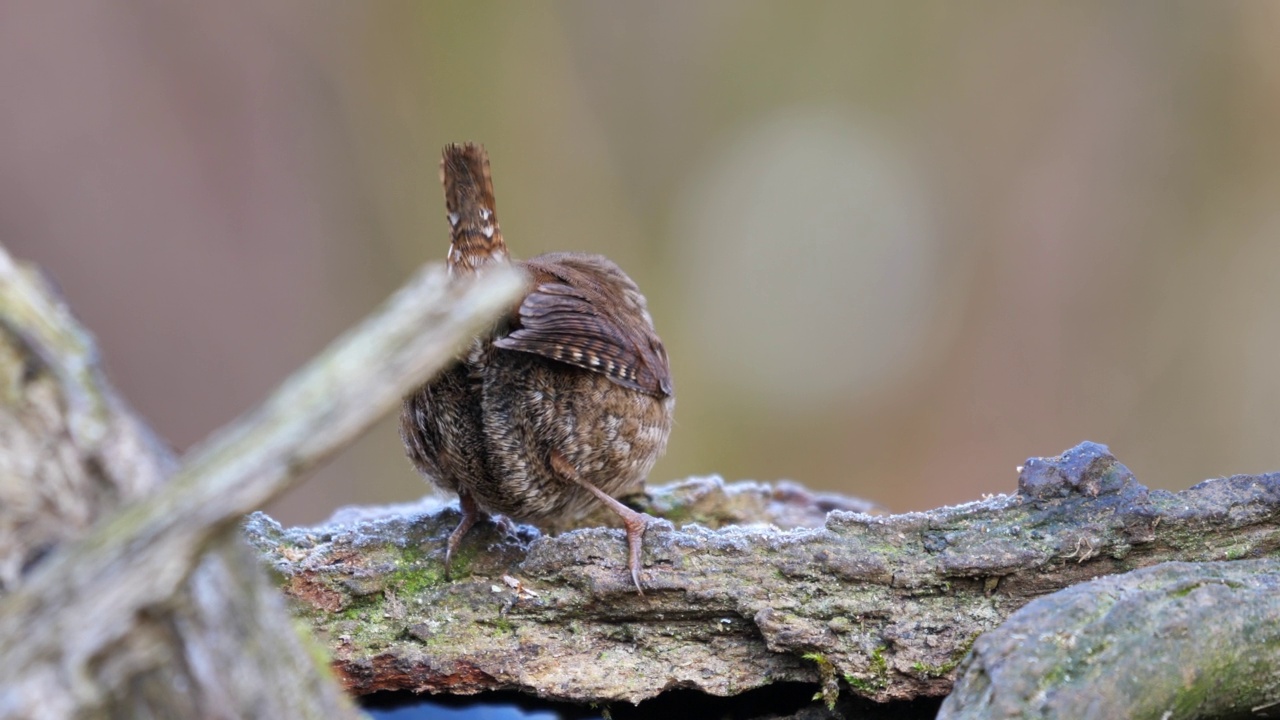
745	585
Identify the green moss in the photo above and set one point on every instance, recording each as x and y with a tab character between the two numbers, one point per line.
1054	676
412	582
879	669
362	606
361	621
678	515
420	560
879	665
412	553
504	626
1236	552
830	691
862	686
942	669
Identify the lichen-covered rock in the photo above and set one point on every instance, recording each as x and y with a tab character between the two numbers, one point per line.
1179	640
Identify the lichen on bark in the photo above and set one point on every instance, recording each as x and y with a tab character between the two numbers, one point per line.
891	602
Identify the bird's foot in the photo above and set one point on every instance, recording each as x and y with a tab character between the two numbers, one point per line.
470	514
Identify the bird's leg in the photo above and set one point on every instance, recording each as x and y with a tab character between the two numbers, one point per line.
635	522
470	513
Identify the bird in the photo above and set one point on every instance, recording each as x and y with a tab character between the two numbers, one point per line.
564	403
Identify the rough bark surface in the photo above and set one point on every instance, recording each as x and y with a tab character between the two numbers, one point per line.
884	606
125	589
74	454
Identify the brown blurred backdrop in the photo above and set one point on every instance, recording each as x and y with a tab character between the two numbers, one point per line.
893	248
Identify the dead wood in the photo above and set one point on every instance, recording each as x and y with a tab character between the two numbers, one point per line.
883	606
124	588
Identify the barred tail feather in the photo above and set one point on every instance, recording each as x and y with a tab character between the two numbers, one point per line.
475	237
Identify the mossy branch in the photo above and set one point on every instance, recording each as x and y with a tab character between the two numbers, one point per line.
890	603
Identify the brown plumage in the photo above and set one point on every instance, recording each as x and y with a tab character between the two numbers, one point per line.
566	403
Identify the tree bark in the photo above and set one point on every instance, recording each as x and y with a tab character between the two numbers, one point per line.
883	606
125	590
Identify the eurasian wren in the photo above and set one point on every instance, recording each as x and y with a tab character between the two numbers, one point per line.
566	402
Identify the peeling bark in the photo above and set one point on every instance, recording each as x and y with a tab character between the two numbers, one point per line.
886	605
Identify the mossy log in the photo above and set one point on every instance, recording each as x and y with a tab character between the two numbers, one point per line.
746	584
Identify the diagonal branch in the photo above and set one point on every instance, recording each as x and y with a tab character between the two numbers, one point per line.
133	561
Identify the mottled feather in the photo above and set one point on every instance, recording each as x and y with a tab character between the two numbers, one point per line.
475	236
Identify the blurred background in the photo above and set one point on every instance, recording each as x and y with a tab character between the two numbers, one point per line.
893	248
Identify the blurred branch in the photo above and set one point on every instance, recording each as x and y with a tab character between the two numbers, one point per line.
1199	637
111	620
884	606
72	448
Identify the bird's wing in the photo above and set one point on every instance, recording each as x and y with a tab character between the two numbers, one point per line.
562	323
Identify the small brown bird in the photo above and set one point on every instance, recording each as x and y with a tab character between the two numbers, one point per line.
565	403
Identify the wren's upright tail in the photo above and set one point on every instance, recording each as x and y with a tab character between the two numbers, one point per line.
476	239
